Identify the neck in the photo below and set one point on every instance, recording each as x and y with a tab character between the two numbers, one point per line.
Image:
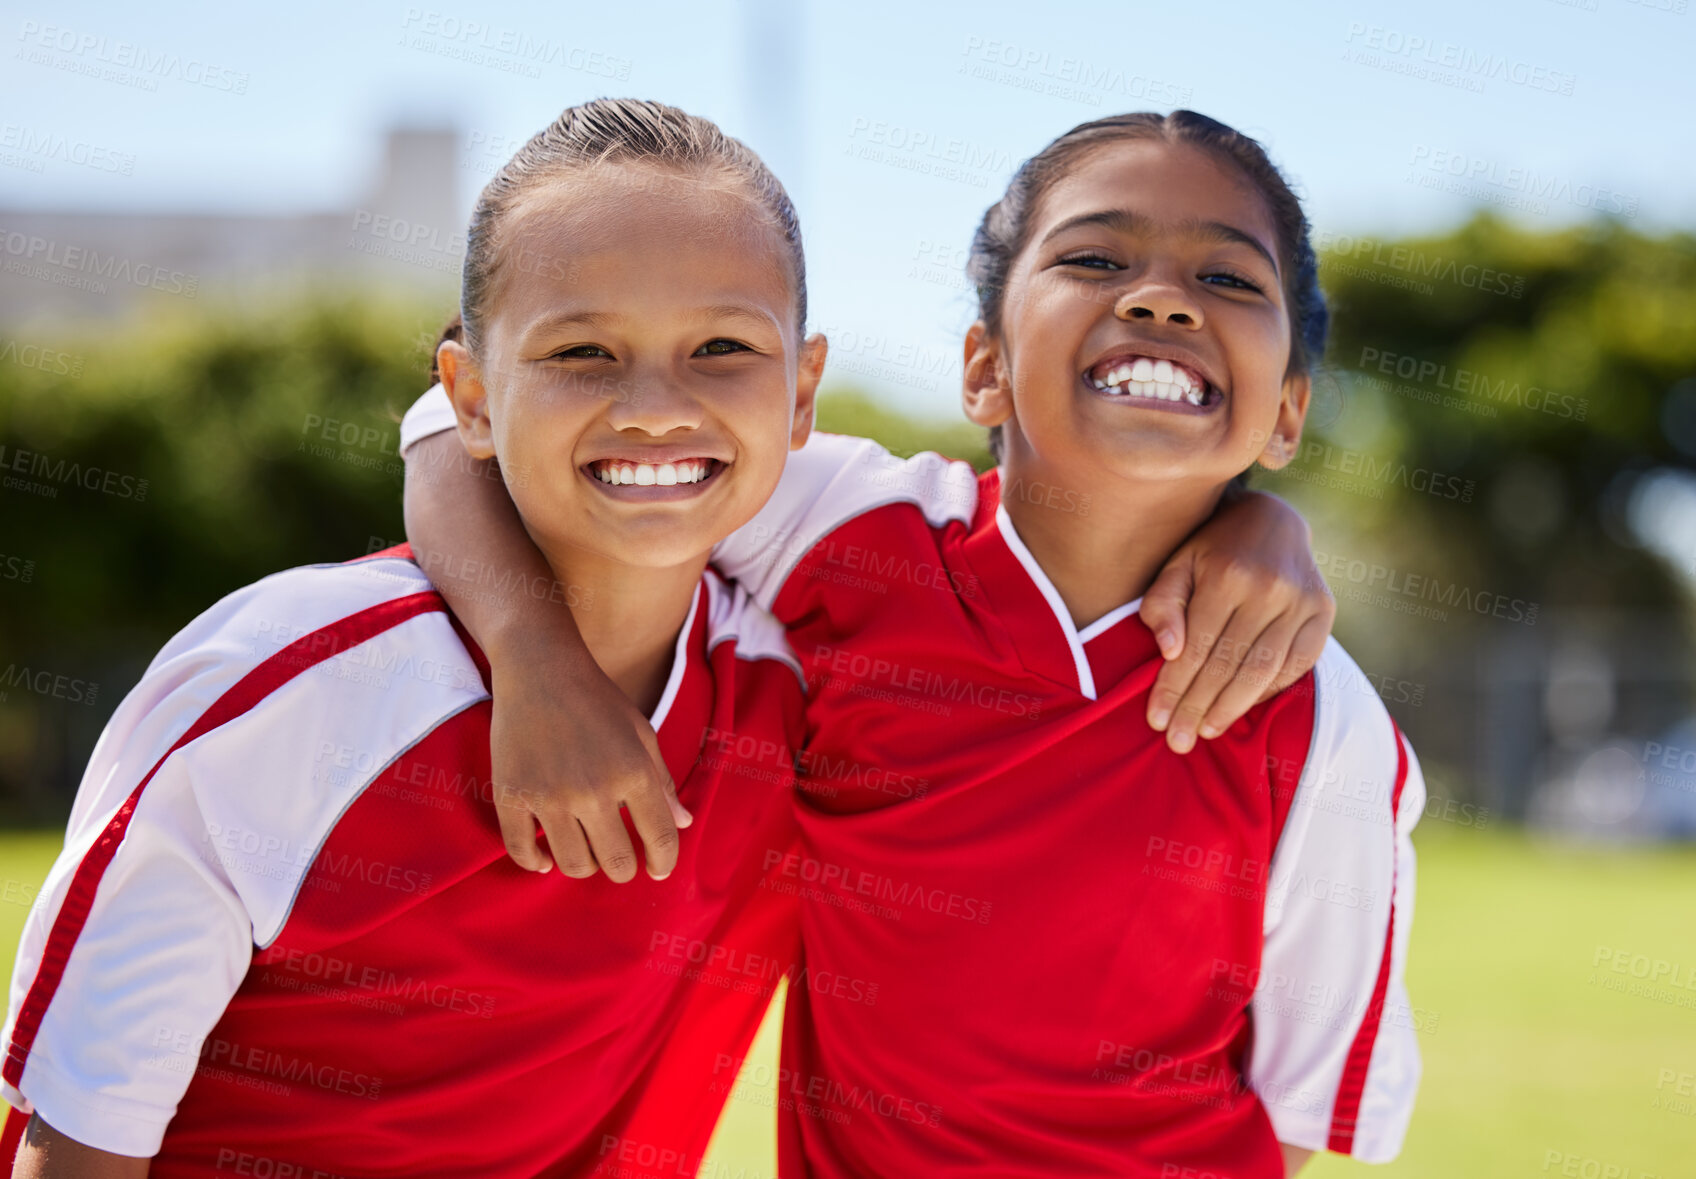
628	615
1101	550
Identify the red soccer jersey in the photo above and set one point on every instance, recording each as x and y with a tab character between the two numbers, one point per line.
285	938
1091	956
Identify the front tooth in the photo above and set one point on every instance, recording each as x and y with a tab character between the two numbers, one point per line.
1144	388
666	475
644	475
1143	369
1163	370
627	475
1182	379
1163	389
685	472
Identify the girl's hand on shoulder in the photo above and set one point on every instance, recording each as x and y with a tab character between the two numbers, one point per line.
1241	612
569	752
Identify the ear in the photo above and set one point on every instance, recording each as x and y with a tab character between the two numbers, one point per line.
1286	429
464	385
811	368
984	391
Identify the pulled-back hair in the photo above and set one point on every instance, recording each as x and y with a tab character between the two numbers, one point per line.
615	131
1006	226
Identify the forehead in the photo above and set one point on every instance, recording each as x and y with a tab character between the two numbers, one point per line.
616	222
1165	182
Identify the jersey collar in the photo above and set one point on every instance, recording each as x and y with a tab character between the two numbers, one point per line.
1029	608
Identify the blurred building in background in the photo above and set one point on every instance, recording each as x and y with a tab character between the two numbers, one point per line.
72	266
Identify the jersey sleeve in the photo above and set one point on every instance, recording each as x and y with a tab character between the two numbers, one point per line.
1334	1058
829	481
430	414
103	1041
202	808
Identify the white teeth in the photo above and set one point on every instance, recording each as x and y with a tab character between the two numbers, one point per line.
626	474
1158	379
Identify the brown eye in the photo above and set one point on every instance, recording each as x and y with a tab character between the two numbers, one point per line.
721	348
1232	281
1092	261
580	352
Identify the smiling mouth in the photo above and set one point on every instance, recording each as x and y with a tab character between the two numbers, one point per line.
1145	378
629	473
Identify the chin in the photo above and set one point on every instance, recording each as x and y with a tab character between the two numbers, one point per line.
662	551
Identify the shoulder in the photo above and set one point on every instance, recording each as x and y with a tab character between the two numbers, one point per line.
1352	729
1359	772
836	478
284	608
246	724
869	476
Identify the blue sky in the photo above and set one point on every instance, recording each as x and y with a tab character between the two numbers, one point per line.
894	124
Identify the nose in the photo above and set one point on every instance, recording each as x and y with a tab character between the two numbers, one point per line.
655	404
1159	300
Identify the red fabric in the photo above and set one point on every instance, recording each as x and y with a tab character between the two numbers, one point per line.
252	688
1045	902
12	1124
1347	1107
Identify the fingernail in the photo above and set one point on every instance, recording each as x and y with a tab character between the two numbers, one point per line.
1182	742
1160	718
1168	643
1209	732
659	877
544	869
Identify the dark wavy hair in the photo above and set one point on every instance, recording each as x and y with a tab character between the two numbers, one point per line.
1005	228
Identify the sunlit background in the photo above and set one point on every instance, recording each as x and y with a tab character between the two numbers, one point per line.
227	239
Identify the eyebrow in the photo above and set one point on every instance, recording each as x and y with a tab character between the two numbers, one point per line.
1134	224
606	319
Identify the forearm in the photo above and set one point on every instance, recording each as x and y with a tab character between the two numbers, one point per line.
467	537
47	1154
1295	1157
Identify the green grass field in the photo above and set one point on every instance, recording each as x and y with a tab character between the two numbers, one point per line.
1539	1059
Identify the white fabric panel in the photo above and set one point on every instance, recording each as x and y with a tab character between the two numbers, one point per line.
1341	863
430	414
826	483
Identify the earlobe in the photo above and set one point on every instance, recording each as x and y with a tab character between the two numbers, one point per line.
984	392
1286	432
464	387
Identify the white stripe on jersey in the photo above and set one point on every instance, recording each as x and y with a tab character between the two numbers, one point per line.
1328	907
